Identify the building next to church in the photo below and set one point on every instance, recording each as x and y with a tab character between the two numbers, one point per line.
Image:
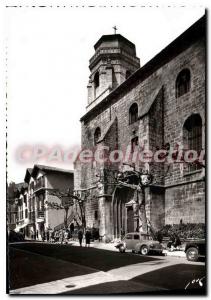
161	103
34	215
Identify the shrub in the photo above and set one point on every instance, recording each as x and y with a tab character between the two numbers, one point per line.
184	231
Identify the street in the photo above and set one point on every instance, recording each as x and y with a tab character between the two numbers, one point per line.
41	268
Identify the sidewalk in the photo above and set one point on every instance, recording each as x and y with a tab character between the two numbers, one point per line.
111	247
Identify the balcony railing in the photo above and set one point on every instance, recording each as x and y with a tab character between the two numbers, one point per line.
39	185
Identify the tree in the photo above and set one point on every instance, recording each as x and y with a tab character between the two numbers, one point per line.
133	179
137	180
68	200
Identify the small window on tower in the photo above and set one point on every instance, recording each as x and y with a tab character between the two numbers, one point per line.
96	214
97	135
96	80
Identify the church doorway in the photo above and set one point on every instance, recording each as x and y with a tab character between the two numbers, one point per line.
123	214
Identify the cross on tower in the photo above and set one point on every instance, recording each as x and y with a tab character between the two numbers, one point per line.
115	29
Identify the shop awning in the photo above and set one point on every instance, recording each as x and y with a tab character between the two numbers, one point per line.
20	227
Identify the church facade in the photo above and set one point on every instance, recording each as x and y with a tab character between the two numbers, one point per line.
158	106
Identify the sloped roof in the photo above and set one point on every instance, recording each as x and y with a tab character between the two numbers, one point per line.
49	169
105	132
113	37
147	102
28	175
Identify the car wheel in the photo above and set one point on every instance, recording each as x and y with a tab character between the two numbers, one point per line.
192	254
144	250
121	249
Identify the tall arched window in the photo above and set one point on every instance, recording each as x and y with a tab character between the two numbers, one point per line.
192	135
96	80
97	135
183	83
133	113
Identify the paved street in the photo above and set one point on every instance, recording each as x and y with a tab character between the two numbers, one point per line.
38	268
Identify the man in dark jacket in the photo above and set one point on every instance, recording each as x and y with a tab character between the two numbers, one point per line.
88	238
80	237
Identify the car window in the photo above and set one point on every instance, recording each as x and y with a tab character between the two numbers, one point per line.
129	236
146	237
136	236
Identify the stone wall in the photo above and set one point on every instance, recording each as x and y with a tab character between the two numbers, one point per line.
185	202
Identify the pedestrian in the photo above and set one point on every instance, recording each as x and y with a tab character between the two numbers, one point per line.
177	241
80	237
43	236
52	236
66	234
61	236
56	236
71	228
88	238
47	236
171	242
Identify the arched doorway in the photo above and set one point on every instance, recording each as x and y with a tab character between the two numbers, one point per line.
123	212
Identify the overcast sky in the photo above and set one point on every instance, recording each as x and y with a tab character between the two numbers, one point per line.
48	54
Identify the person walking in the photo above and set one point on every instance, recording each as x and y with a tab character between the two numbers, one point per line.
47	236
66	235
88	238
80	237
52	237
72	228
43	236
56	237
61	236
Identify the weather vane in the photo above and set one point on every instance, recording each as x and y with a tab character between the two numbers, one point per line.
115	29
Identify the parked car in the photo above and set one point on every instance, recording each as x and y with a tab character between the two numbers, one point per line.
139	243
195	249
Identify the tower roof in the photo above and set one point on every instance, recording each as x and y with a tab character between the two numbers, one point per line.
115	40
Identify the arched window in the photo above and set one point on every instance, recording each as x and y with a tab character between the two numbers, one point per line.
96	80
133	113
128	73
183	83
192	135
97	135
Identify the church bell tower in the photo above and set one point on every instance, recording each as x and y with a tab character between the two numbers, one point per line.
113	62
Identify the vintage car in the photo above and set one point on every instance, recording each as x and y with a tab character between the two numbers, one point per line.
195	249
139	243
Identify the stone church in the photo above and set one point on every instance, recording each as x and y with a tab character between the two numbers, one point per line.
161	103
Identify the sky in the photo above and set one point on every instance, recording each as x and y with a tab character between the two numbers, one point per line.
48	52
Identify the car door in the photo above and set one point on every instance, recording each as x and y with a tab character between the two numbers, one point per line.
136	240
129	240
